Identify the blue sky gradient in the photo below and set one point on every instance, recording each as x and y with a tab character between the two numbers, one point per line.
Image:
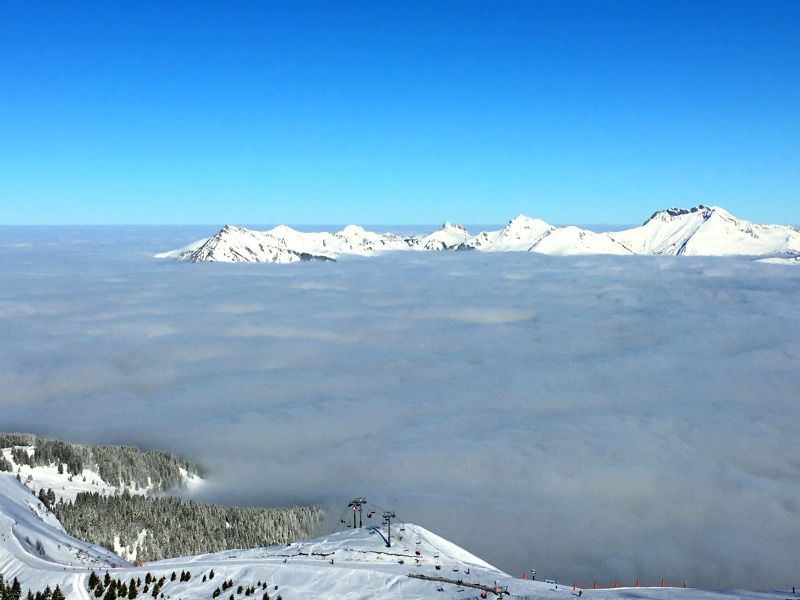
389	112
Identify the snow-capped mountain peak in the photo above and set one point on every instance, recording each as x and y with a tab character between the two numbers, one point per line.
524	222
707	231
447	237
522	226
672	213
520	234
353	231
700	230
283	231
448	226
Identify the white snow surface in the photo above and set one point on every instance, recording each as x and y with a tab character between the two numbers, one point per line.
707	231
67	487
354	564
65	561
63	486
698	231
780	260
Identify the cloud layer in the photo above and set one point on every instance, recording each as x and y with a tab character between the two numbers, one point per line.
595	418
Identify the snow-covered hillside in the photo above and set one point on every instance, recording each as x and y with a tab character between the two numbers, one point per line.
354	564
66	486
699	231
36	550
707	231
137	516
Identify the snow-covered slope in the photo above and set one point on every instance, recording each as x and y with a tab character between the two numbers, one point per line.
352	564
700	231
236	244
707	231
573	240
283	244
355	564
35	549
447	237
520	235
66	487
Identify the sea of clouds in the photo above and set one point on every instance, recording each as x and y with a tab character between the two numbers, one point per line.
595	418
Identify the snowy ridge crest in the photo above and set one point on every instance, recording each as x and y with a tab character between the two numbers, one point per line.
697	231
669	213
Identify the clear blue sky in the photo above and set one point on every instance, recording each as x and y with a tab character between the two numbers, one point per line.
397	112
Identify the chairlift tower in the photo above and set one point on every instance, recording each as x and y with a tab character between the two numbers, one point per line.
388	515
356	505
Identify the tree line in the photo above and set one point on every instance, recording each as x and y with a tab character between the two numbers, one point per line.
173	527
12	590
176	527
116	465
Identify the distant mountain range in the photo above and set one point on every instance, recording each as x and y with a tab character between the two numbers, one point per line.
698	231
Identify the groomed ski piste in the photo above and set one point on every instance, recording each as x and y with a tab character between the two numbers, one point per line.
354	564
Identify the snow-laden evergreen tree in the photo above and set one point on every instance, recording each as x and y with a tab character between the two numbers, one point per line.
175	527
5	465
117	465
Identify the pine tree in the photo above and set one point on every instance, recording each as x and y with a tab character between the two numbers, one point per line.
57	594
5	465
111	593
14	592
